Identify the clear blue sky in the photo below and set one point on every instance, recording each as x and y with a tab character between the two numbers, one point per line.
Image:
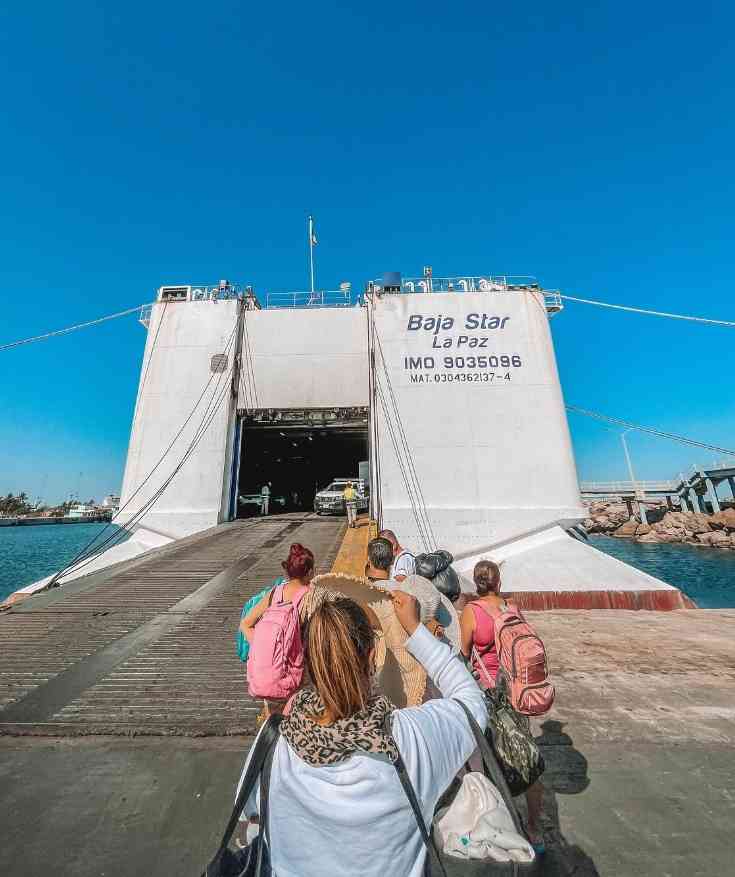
590	145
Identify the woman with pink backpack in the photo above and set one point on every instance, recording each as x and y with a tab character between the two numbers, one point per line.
275	666
501	645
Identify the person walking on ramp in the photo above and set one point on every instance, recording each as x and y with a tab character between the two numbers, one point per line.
349	495
275	665
482	622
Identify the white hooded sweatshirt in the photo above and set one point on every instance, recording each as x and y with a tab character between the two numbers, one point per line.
353	817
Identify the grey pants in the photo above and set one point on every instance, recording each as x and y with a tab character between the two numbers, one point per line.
351	513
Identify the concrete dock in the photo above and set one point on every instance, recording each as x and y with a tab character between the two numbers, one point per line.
124	719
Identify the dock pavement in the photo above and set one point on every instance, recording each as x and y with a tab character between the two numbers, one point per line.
124	718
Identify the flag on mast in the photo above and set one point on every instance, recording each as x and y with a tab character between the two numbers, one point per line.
312	243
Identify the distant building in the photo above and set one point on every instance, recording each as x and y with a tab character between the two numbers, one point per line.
111	502
83	511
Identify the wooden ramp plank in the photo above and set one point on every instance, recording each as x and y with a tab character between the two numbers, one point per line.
352	554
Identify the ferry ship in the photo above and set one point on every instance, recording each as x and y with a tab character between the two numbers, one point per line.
442	392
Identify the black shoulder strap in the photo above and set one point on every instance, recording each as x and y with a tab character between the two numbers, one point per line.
494	773
264	747
426	835
265	784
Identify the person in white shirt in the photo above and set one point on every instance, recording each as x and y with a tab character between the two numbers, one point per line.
404	563
336	803
265	496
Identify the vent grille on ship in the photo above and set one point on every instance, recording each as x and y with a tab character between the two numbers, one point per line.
218	362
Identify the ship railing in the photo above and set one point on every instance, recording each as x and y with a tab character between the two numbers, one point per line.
494	283
488	283
320	298
615	487
223	291
553	302
144	316
217	292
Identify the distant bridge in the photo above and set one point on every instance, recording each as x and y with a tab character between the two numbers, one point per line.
632	489
692	490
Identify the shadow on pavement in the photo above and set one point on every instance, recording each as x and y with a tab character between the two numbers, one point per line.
566	774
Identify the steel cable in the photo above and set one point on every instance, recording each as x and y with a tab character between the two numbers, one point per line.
250	363
595	415
148	505
394	441
82	555
402	447
604	304
69	329
407	448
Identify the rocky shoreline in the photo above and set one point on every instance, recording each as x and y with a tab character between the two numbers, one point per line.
664	525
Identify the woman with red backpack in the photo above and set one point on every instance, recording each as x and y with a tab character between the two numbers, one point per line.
479	645
275	667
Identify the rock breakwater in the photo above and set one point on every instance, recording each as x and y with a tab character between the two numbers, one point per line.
664	525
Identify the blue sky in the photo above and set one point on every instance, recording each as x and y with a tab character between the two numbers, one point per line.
150	143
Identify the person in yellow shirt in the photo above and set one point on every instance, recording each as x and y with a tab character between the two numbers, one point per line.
349	494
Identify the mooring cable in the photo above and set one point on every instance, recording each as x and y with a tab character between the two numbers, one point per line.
69	329
605	304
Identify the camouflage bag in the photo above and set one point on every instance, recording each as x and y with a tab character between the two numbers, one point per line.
509	734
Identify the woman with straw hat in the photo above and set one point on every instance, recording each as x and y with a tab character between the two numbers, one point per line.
398	675
336	805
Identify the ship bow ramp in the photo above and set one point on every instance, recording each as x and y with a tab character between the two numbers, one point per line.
552	570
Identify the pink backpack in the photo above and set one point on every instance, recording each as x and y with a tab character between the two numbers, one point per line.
276	660
523	662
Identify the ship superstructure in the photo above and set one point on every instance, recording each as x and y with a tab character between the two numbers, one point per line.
447	386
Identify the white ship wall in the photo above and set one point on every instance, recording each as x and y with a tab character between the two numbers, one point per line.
290	359
490	442
314	358
173	377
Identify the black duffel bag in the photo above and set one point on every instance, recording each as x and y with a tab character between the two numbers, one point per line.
437	567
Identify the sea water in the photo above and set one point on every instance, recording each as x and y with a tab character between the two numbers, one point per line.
29	553
707	575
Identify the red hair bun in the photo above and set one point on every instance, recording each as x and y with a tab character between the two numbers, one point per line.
300	562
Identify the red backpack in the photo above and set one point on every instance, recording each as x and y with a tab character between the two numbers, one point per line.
522	658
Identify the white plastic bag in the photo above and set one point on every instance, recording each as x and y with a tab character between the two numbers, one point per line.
477	825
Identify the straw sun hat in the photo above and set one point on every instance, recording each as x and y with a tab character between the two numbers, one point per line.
400	676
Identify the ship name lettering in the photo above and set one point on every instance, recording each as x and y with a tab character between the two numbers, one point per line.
430	324
485	321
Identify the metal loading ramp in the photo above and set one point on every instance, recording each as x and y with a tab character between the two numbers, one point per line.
150	650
